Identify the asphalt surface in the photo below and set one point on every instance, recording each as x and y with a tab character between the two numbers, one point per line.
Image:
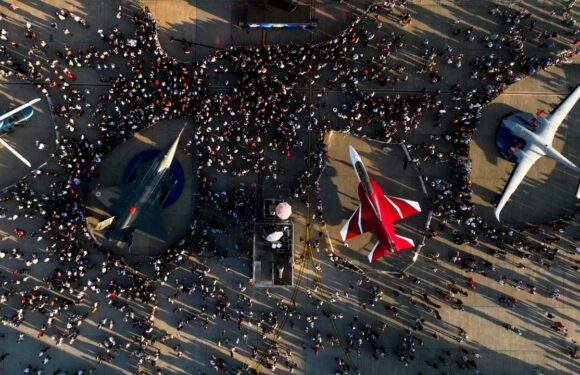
545	195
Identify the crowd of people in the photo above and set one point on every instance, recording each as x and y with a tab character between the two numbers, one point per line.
263	110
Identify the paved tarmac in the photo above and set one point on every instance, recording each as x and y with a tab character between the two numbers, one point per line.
212	22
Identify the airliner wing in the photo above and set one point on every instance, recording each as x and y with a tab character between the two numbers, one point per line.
520	170
557	116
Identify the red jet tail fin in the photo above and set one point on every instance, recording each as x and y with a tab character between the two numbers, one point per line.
402	243
399	243
378	251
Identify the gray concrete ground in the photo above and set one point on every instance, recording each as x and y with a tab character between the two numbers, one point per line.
212	22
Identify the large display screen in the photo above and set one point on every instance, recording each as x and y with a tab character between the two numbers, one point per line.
269	25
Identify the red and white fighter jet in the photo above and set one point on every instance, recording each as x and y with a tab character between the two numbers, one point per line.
377	212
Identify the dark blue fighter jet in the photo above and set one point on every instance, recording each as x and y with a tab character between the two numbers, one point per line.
136	204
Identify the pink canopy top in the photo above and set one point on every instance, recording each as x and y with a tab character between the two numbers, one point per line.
283	210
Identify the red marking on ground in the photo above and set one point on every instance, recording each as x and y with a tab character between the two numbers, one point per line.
217	40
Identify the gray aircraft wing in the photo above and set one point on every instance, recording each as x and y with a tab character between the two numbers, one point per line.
558	115
519	172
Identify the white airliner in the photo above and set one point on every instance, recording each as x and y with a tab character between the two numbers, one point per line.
13	117
538	143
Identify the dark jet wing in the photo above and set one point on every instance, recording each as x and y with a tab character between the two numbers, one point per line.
150	221
110	196
114	197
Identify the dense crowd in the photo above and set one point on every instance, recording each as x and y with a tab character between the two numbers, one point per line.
262	109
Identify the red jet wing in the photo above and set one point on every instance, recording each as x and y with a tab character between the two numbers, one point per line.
395	208
362	220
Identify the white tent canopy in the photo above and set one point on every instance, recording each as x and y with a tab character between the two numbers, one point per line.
274	236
